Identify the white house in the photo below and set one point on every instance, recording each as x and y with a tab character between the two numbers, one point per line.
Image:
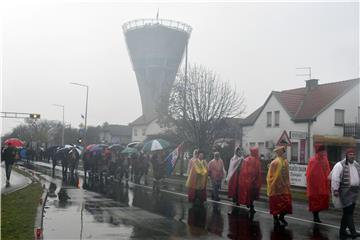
312	114
145	127
115	134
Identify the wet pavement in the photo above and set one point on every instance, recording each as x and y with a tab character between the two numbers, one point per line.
138	213
17	181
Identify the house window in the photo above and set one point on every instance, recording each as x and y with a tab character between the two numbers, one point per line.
135	132
261	149
339	117
277	119
143	131
294	152
268	119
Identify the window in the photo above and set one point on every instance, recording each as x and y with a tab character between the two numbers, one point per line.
143	131
339	117
268	121
277	119
261	148
294	152
135	132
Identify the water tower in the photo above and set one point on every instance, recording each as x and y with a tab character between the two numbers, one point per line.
156	48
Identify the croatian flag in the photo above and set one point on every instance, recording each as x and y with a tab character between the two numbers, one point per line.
172	158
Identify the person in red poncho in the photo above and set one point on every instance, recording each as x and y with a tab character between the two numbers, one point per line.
318	185
250	180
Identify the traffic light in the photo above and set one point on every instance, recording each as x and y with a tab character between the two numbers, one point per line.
34	116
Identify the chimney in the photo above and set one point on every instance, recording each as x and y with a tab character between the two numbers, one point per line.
311	84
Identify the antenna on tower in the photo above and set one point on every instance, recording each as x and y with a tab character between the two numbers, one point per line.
305	74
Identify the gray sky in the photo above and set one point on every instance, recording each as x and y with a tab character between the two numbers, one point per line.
254	46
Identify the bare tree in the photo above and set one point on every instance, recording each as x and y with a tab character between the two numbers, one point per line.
198	104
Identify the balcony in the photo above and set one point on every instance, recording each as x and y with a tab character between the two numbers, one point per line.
352	130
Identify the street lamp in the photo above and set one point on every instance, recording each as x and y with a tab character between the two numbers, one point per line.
86	106
63	122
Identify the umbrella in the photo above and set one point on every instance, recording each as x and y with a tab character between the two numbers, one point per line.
78	149
156	144
89	147
133	144
14	142
116	147
129	150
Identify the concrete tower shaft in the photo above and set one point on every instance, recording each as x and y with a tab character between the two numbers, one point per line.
156	48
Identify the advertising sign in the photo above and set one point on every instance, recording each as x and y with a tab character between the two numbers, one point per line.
298	135
297	175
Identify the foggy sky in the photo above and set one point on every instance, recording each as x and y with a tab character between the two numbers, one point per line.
255	46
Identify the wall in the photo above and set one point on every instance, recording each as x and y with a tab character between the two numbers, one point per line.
259	132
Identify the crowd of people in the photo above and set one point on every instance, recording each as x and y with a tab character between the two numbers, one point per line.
243	177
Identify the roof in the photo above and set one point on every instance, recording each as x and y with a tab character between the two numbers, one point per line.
118	130
143	120
304	104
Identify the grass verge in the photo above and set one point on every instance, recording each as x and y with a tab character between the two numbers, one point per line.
18	212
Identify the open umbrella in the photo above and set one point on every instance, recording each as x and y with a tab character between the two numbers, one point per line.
116	147
156	144
14	142
129	150
89	147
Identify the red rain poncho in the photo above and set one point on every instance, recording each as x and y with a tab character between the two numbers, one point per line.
250	178
318	185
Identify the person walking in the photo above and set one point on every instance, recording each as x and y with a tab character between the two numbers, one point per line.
278	188
318	185
9	154
345	184
197	180
233	174
233	179
250	180
216	173
191	161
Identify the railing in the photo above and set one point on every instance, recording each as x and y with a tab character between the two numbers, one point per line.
352	130
140	23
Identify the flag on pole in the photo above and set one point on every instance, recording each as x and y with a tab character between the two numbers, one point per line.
172	158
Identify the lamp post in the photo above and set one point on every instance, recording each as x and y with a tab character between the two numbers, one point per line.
86	106
63	122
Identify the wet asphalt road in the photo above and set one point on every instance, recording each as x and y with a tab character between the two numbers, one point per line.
17	181
138	213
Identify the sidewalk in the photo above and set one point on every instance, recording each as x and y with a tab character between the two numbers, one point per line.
17	181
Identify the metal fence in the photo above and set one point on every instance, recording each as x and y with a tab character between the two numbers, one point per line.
140	23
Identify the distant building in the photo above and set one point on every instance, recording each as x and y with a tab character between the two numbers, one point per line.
327	113
144	127
115	134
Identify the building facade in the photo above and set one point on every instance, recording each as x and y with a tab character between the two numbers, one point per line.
302	117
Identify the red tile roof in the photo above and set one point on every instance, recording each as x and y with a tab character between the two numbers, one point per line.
302	104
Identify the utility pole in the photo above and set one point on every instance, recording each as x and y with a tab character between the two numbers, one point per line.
86	106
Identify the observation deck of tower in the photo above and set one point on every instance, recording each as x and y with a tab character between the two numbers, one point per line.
156	48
